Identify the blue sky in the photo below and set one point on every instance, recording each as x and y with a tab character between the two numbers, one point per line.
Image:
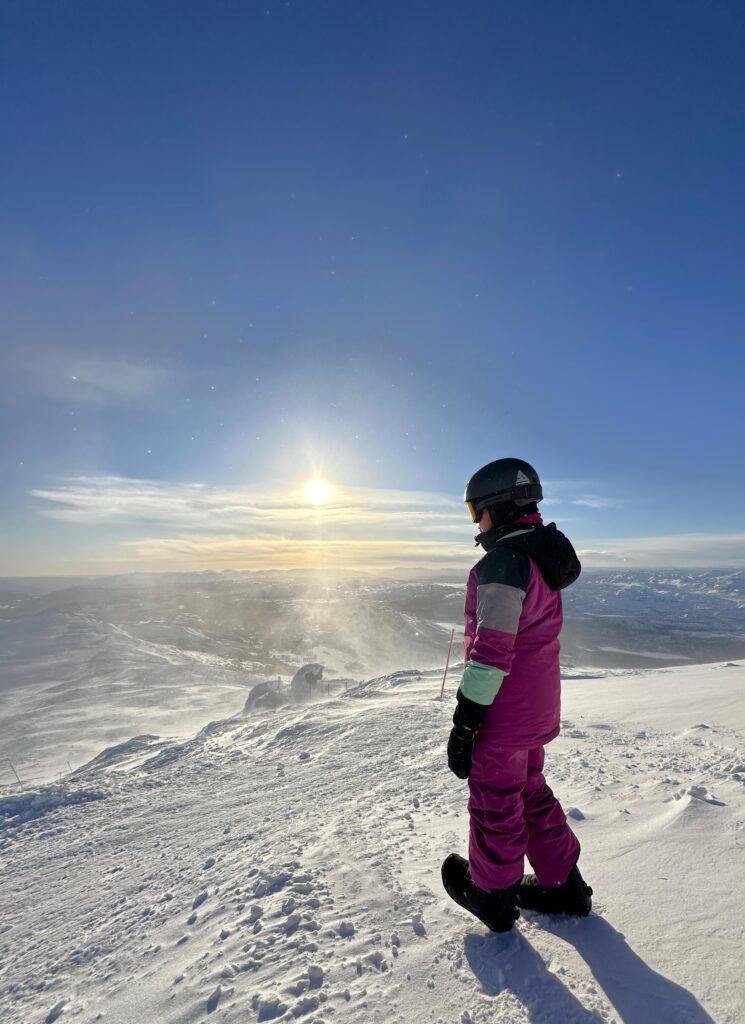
244	244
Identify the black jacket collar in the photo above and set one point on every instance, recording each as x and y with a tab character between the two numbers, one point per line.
489	538
548	547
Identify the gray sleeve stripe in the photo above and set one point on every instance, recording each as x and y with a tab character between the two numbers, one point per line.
498	606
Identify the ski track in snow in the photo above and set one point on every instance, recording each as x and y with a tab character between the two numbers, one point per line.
285	866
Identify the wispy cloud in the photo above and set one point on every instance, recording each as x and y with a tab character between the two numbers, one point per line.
86	379
193	525
579	492
197	526
220	552
682	550
197	507
200	552
596	502
98	380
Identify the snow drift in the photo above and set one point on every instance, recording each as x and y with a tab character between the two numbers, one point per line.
283	865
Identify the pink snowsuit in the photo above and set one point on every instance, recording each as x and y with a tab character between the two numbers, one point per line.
512	623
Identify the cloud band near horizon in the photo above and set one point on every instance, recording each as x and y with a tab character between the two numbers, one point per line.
169	526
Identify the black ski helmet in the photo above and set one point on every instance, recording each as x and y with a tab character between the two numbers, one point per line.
507	485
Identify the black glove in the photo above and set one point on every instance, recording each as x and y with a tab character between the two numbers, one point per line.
467	718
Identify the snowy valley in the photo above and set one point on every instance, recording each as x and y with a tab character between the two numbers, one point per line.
198	860
87	663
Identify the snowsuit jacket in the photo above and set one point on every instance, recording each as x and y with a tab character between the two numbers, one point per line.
513	617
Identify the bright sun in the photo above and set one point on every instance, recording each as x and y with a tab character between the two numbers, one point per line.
318	492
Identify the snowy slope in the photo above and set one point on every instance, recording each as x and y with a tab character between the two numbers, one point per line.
71	683
285	866
90	662
88	665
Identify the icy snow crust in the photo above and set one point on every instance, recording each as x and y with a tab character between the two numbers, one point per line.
285	866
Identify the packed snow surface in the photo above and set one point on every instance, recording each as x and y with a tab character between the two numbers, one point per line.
284	865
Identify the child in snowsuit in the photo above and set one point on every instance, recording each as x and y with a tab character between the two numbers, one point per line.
508	708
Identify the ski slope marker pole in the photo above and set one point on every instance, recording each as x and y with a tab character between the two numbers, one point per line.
13	768
447	663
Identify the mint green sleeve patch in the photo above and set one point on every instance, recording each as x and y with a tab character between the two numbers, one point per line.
481	682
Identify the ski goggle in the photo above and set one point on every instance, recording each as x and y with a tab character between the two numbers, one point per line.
476	513
527	492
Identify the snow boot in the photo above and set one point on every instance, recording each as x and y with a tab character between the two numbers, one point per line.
572	897
495	909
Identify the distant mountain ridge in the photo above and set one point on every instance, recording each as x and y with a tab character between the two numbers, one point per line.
164	653
270	623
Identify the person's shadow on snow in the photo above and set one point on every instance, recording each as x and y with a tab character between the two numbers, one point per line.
508	962
638	994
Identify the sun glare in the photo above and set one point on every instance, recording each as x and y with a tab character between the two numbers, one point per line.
318	492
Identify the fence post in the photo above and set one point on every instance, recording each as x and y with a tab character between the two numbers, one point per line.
447	663
13	769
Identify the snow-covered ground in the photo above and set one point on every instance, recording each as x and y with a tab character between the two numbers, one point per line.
86	663
285	866
92	662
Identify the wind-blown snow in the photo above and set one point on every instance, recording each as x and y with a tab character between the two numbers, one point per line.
89	663
284	865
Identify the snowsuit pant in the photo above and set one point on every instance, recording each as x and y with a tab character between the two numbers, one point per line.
513	812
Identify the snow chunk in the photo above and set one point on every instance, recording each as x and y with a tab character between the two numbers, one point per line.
305	1005
34	804
214	999
291	924
315	975
268	1008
